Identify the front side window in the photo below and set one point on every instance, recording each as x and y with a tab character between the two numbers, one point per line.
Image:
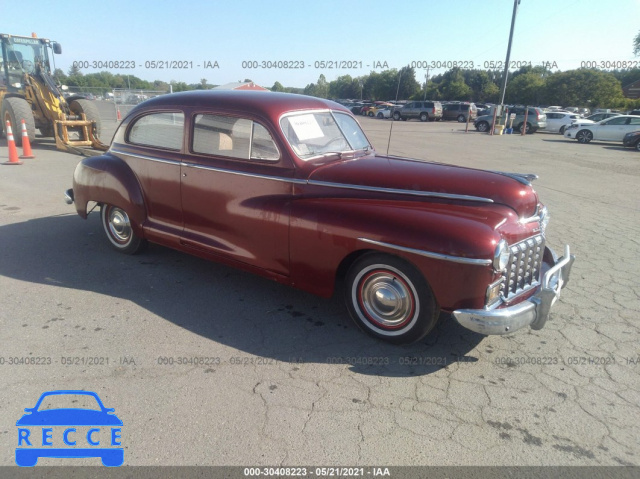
313	134
232	137
161	130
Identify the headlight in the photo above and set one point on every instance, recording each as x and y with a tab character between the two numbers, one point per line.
501	256
544	219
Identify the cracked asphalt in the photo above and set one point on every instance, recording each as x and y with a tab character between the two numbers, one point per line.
281	377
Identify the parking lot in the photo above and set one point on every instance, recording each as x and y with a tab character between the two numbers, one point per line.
281	377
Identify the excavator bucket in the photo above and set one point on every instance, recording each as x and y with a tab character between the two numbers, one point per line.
86	129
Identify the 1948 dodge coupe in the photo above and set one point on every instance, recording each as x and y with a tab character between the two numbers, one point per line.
289	187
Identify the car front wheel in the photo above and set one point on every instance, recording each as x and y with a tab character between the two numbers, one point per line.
397	116
461	119
117	226
389	299
424	117
482	126
562	128
584	136
638	145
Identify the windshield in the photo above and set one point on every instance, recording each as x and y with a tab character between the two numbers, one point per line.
313	134
23	54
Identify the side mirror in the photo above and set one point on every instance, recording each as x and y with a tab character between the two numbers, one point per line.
57	48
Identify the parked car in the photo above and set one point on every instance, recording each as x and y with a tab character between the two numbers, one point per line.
632	139
634	112
558	121
384	113
420	110
459	111
289	187
611	129
536	119
373	111
584	112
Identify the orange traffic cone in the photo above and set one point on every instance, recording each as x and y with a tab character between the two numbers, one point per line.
13	152
26	145
119	116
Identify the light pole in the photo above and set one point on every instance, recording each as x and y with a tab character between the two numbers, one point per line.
506	63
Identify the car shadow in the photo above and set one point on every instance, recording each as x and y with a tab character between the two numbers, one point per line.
238	309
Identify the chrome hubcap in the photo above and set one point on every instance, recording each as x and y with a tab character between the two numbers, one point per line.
386	299
119	225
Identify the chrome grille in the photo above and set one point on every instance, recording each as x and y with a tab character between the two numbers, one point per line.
523	270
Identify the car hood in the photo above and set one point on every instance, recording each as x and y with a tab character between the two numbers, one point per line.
430	180
69	417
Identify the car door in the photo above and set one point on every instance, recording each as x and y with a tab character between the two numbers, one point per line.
408	110
553	121
612	129
236	192
152	147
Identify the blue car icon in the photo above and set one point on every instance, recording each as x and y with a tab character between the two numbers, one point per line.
40	432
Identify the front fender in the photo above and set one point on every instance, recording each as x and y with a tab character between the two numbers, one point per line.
108	179
325	231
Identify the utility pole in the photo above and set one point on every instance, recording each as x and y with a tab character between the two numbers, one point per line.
426	84
506	63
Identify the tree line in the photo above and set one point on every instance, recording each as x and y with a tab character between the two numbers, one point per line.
528	85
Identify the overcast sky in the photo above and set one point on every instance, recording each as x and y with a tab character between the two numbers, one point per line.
358	35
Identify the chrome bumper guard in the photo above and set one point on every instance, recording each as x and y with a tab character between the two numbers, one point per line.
532	312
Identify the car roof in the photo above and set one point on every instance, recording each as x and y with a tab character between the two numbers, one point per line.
266	103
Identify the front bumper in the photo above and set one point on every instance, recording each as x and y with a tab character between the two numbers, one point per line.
532	312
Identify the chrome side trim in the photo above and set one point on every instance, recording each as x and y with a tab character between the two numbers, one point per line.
431	194
243	173
143	157
429	254
211	168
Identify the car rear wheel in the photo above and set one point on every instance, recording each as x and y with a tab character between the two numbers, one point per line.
482	126
584	136
396	116
380	115
562	128
461	119
424	117
117	226
638	145
527	127
389	299
371	114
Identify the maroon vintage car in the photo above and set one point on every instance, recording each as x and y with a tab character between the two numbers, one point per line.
289	187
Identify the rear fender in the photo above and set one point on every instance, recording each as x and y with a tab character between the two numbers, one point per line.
107	179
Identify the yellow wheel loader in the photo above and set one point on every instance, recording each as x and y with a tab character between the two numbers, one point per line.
28	92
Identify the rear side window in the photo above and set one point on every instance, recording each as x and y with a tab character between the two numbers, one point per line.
160	130
232	137
428	104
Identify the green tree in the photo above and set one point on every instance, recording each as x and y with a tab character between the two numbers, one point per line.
583	87
526	89
636	45
277	86
409	86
